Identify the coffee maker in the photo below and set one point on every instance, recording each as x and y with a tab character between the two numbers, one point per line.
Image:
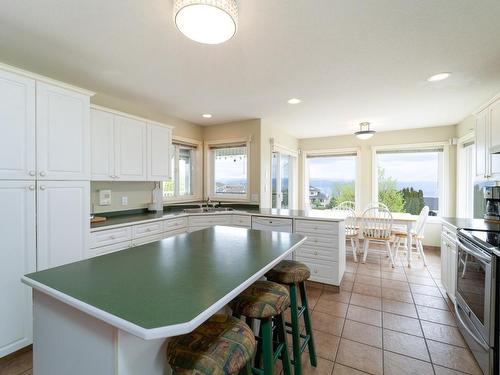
492	199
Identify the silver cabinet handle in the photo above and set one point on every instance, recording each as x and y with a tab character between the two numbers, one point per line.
32	173
42	187
31	187
42	173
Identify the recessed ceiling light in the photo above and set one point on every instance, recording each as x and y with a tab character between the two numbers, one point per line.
294	101
206	115
438	77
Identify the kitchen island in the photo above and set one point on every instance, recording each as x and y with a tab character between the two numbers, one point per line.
112	314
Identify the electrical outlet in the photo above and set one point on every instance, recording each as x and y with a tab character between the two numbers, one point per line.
124	201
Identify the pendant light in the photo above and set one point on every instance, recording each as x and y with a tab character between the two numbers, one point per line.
364	132
206	21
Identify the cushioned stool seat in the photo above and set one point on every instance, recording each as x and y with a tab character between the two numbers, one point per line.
264	299
221	345
289	272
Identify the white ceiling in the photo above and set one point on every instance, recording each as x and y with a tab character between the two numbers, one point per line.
350	61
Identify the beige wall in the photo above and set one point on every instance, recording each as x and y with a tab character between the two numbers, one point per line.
268	132
466	126
413	136
241	129
138	194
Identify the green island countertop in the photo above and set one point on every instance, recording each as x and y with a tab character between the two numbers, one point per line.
168	287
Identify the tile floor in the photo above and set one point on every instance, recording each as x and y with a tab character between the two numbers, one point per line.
384	321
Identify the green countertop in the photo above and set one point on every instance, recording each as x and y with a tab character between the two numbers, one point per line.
169	282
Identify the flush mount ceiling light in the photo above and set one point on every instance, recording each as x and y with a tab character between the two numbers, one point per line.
364	132
206	115
206	21
438	77
294	101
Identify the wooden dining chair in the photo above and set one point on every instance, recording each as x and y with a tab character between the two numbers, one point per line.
345	206
401	237
376	226
352	232
376	205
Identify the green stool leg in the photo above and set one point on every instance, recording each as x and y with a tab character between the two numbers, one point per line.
297	354
267	345
307	322
285	359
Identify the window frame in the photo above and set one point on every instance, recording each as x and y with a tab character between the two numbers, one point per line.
209	170
293	187
331	152
461	191
445	173
197	172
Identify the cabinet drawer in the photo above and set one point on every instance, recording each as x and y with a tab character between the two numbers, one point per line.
175	224
110	236
325	271
175	232
327	242
209	220
318	253
242	221
111	248
449	231
272	223
148	229
147	239
320	227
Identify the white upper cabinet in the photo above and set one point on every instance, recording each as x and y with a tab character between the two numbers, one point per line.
63	222
17	258
481	143
17	127
488	137
130	149
102	140
63	133
494	115
159	142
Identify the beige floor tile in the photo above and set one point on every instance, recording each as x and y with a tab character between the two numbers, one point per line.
453	357
427	281
369	290
324	367
394	276
331	307
395	284
396	364
366	301
349	276
430	301
397	295
443	333
402	324
363	333
436	315
369	280
409	345
326	345
346	286
400	308
446	371
341	296
364	315
369	272
344	370
360	356
16	364
327	323
427	290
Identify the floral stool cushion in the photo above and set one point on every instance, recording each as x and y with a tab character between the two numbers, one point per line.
289	272
263	299
221	345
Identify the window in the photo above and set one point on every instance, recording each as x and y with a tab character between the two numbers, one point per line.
282	178
330	179
227	176
466	172
182	185
409	179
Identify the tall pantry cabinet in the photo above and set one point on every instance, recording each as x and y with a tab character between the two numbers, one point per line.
44	189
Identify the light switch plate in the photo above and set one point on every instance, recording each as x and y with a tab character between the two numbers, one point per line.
105	197
124	201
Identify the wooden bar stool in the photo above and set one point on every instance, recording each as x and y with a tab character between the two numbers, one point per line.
266	301
222	345
294	274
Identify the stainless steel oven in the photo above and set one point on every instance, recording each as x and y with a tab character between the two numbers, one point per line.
476	296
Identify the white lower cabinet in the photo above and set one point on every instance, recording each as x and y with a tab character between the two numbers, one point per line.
63	222
17	258
449	260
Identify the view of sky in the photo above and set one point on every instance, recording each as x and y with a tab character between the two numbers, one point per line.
405	167
332	167
230	168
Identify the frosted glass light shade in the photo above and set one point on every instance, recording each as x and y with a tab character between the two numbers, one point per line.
206	21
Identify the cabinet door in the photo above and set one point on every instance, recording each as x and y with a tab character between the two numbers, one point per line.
102	145
494	119
452	261
481	144
159	144
17	258
63	222
130	149
444	263
17	126
63	134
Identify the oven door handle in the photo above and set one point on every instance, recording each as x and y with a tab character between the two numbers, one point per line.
476	254
480	342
